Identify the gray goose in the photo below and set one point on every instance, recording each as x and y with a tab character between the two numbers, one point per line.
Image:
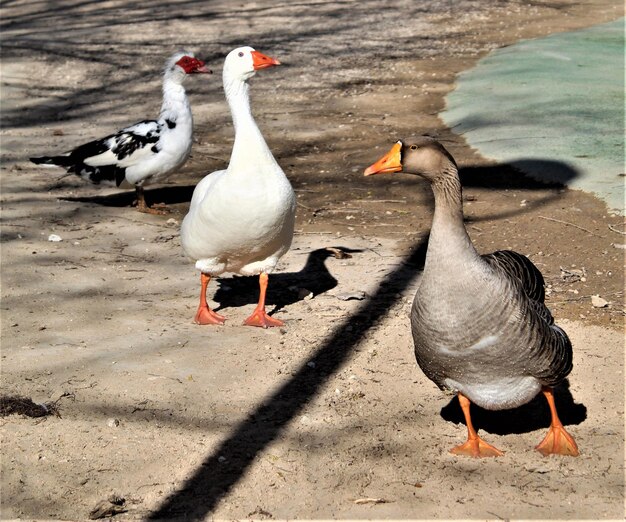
479	323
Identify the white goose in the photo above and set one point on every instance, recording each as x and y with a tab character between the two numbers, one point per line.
241	219
146	152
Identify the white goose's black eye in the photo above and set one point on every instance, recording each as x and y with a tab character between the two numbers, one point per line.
240	54
413	147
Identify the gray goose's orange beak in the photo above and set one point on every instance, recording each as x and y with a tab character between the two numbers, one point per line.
390	162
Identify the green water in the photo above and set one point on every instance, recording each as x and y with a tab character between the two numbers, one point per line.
553	106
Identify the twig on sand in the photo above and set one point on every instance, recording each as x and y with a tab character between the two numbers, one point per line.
117	254
611	227
371	501
161	225
382	201
166	377
572	225
306	233
584	297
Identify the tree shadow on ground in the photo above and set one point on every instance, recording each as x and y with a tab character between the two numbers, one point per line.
214	478
531	416
494	177
513	175
50	32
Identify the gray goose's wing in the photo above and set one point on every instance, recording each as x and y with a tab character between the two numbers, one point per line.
522	270
554	349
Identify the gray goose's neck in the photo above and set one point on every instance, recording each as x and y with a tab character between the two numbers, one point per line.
249	146
449	245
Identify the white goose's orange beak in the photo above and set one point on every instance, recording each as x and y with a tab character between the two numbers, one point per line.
261	61
390	162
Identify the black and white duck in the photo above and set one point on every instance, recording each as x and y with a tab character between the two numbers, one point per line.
146	152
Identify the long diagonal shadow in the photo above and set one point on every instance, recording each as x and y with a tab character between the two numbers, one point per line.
214	479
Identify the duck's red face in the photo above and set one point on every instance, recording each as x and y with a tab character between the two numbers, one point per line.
192	65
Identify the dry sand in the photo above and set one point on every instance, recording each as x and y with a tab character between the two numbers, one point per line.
309	420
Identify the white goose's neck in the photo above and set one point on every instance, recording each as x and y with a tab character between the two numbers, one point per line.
249	148
449	246
175	107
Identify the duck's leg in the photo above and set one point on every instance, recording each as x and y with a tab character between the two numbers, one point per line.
557	441
142	206
205	315
475	446
259	317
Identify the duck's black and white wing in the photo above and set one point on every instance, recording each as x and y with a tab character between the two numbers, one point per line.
106	159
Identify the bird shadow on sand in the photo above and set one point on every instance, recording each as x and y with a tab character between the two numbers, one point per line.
531	416
285	288
168	195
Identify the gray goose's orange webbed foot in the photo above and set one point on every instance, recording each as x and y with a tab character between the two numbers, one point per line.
557	441
474	446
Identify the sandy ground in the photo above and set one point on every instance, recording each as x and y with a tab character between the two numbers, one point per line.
309	420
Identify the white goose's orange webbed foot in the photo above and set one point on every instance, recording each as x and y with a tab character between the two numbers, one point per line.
557	441
260	318
205	315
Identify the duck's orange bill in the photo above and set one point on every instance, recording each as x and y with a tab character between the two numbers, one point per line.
390	162
260	61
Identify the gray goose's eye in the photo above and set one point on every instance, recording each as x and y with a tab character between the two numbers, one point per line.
413	147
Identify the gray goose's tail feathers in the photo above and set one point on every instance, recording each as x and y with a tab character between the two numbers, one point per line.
556	346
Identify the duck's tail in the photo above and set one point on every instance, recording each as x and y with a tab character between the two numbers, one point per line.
54	161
